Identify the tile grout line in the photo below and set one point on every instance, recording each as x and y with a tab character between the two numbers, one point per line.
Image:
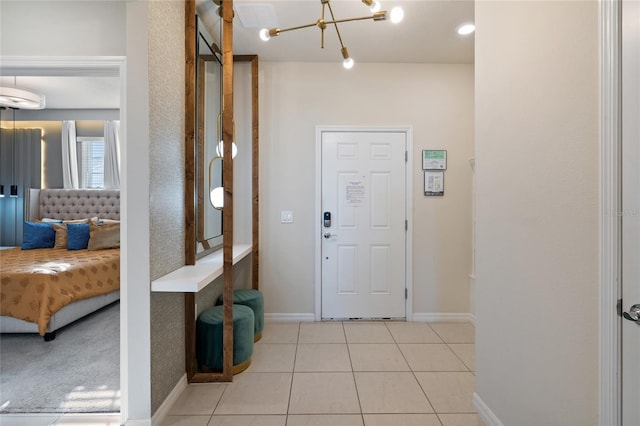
353	374
413	373
457	356
416	377
293	373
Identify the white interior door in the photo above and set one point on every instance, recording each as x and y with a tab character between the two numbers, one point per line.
363	232
630	212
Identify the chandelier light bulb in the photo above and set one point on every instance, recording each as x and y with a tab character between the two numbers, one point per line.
216	197
220	149
397	14
348	63
466	29
264	34
375	6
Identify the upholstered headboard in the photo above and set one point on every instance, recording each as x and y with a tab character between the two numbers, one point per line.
73	203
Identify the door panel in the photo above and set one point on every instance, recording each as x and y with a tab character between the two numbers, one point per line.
630	210
363	252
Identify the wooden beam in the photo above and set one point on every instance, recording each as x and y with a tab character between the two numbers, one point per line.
200	155
189	191
210	378
190	335
189	131
255	172
227	178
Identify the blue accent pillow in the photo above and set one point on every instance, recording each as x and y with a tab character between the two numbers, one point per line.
38	235
77	236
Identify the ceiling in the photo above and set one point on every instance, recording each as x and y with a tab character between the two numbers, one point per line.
71	92
426	35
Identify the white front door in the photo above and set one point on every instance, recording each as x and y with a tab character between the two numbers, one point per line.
363	198
630	371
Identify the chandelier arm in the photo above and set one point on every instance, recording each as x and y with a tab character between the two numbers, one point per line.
322	28
299	27
335	24
339	21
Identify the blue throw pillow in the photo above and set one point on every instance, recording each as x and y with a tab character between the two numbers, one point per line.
77	236
38	235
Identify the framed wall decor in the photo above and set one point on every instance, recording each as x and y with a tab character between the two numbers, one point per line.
433	183
434	159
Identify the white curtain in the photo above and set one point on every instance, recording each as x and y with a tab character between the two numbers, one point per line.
112	154
69	155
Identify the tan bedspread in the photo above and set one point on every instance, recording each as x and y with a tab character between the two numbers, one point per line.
35	284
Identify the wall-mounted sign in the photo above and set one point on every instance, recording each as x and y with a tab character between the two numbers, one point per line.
434	183
434	159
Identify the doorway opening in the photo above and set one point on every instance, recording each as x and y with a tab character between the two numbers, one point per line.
81	70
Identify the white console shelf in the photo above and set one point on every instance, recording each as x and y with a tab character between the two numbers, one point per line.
193	278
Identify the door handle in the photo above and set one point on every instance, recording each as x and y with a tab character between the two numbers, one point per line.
633	314
328	235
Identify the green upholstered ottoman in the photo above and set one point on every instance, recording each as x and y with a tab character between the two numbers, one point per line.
209	338
255	300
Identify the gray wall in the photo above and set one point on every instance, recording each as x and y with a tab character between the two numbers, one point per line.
19	165
166	130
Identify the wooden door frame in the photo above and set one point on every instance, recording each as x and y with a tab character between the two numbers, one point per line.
408	131
610	204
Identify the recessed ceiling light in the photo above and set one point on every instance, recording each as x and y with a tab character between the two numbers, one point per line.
466	29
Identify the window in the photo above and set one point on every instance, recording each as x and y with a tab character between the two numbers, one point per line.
90	162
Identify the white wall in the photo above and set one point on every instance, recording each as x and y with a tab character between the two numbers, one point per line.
63	28
537	211
135	368
437	100
242	176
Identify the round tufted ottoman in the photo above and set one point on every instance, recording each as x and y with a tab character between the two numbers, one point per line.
255	300
209	338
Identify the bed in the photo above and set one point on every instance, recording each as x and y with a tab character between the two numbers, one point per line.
44	289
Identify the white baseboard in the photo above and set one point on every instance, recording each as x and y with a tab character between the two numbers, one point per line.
173	396
289	317
433	317
485	413
417	317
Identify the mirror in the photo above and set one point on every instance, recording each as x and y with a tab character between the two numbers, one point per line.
208	135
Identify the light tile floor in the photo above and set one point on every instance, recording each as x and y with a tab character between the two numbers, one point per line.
330	374
343	374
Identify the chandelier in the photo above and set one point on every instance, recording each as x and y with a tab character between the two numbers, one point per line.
376	15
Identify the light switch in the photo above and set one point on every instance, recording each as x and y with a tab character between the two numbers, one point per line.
286	217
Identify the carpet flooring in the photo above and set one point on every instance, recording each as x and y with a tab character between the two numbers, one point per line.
78	372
